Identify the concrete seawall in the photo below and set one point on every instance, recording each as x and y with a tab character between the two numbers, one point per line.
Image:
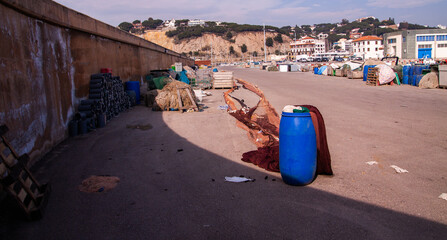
47	55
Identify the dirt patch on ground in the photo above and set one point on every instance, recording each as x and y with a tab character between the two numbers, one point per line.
98	184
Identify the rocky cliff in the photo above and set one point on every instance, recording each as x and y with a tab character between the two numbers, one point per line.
253	40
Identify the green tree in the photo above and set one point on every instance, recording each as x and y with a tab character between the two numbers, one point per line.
231	50
390	21
136	31
410	26
278	38
298	31
181	22
334	38
344	21
277	52
255	54
136	21
371	20
244	48
381	31
210	24
229	35
337	47
269	42
324	27
125	26
151	23
306	29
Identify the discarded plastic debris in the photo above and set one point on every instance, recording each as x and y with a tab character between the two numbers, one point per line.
398	169
140	126
294	109
238	179
443	196
223	107
372	163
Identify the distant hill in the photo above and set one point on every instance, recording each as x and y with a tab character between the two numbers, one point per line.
221	46
195	41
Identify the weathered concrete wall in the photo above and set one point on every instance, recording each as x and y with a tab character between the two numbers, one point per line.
47	54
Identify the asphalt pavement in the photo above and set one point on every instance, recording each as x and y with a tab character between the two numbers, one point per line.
172	182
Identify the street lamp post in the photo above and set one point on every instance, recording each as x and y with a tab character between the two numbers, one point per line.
265	50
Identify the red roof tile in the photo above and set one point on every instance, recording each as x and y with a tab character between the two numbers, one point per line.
368	38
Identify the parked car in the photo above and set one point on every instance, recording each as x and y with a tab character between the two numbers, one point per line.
339	59
358	59
317	60
303	60
325	59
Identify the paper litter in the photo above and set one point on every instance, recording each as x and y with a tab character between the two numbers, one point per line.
223	107
238	179
398	169
372	163
443	196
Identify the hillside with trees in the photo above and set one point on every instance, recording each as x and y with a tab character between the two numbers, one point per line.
239	40
335	31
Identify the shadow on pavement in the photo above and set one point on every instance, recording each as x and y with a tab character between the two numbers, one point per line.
171	188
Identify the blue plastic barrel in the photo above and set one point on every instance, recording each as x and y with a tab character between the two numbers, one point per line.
101	120
135	86
405	73
418	79
410	75
417	70
297	148
73	128
315	70
413	79
82	127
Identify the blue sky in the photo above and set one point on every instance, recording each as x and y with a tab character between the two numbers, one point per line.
271	12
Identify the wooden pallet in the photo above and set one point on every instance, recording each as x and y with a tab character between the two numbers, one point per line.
372	78
18	182
223	80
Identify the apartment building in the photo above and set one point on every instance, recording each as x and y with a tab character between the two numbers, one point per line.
368	47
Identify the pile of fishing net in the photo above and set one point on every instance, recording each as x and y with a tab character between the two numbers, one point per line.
429	80
167	98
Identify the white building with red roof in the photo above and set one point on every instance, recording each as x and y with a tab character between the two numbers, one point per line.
308	46
368	47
